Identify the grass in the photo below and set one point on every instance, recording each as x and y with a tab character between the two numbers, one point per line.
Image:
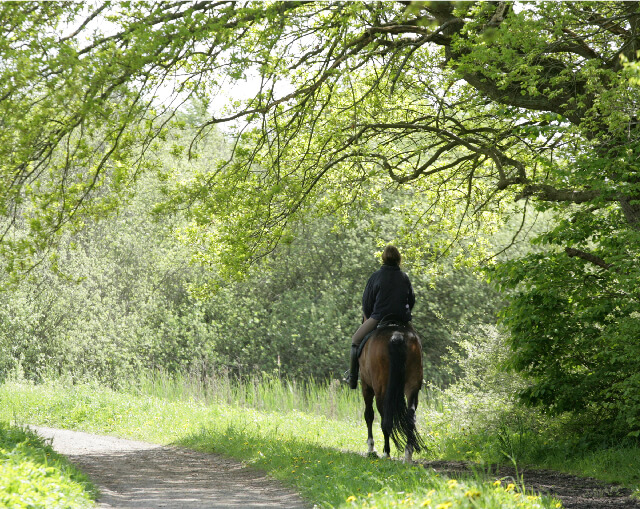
33	476
489	428
316	451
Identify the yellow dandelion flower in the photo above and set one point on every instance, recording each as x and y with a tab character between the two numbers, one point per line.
444	505
558	505
497	483
452	483
510	487
351	499
472	493
426	503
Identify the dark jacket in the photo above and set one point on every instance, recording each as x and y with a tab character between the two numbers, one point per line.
388	292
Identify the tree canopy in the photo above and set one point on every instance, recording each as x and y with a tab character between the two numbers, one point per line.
461	107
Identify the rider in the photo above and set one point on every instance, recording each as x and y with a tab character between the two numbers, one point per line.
388	292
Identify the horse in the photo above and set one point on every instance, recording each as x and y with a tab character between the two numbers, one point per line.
390	371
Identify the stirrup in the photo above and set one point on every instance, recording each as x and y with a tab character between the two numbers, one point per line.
346	376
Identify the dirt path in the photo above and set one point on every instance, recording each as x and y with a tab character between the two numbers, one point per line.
574	492
138	475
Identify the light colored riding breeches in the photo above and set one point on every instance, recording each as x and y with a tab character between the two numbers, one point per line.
367	326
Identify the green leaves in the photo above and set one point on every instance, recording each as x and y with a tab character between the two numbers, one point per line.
573	327
457	109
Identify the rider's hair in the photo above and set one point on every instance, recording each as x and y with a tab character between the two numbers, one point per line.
391	255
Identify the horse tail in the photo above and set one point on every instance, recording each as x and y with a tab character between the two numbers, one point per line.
394	420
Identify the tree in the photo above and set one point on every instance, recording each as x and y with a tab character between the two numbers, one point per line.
470	105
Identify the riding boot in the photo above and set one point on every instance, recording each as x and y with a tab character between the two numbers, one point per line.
353	375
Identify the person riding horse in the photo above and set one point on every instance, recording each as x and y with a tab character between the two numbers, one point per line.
388	292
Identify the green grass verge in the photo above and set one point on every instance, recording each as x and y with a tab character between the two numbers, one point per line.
315	455
32	475
492	430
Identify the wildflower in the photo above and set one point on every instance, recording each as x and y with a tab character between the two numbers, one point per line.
452	483
510	487
558	505
426	503
444	505
472	493
351	499
497	483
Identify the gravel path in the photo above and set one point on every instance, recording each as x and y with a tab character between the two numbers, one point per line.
132	474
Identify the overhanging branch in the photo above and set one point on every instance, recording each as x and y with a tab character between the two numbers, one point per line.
589	257
549	193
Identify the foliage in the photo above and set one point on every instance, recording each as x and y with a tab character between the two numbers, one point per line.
122	307
458	107
33	475
69	147
113	301
574	333
129	294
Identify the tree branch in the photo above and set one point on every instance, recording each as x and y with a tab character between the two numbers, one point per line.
589	257
550	193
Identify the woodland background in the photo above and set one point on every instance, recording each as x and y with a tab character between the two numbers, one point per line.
150	223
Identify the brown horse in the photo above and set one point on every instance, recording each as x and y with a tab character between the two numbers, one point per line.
391	370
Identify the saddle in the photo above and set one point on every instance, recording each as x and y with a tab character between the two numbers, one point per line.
388	321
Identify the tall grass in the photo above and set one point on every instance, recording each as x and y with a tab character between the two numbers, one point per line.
261	392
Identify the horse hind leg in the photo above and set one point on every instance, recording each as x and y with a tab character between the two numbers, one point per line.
412	437
386	426
367	393
387	447
408	453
